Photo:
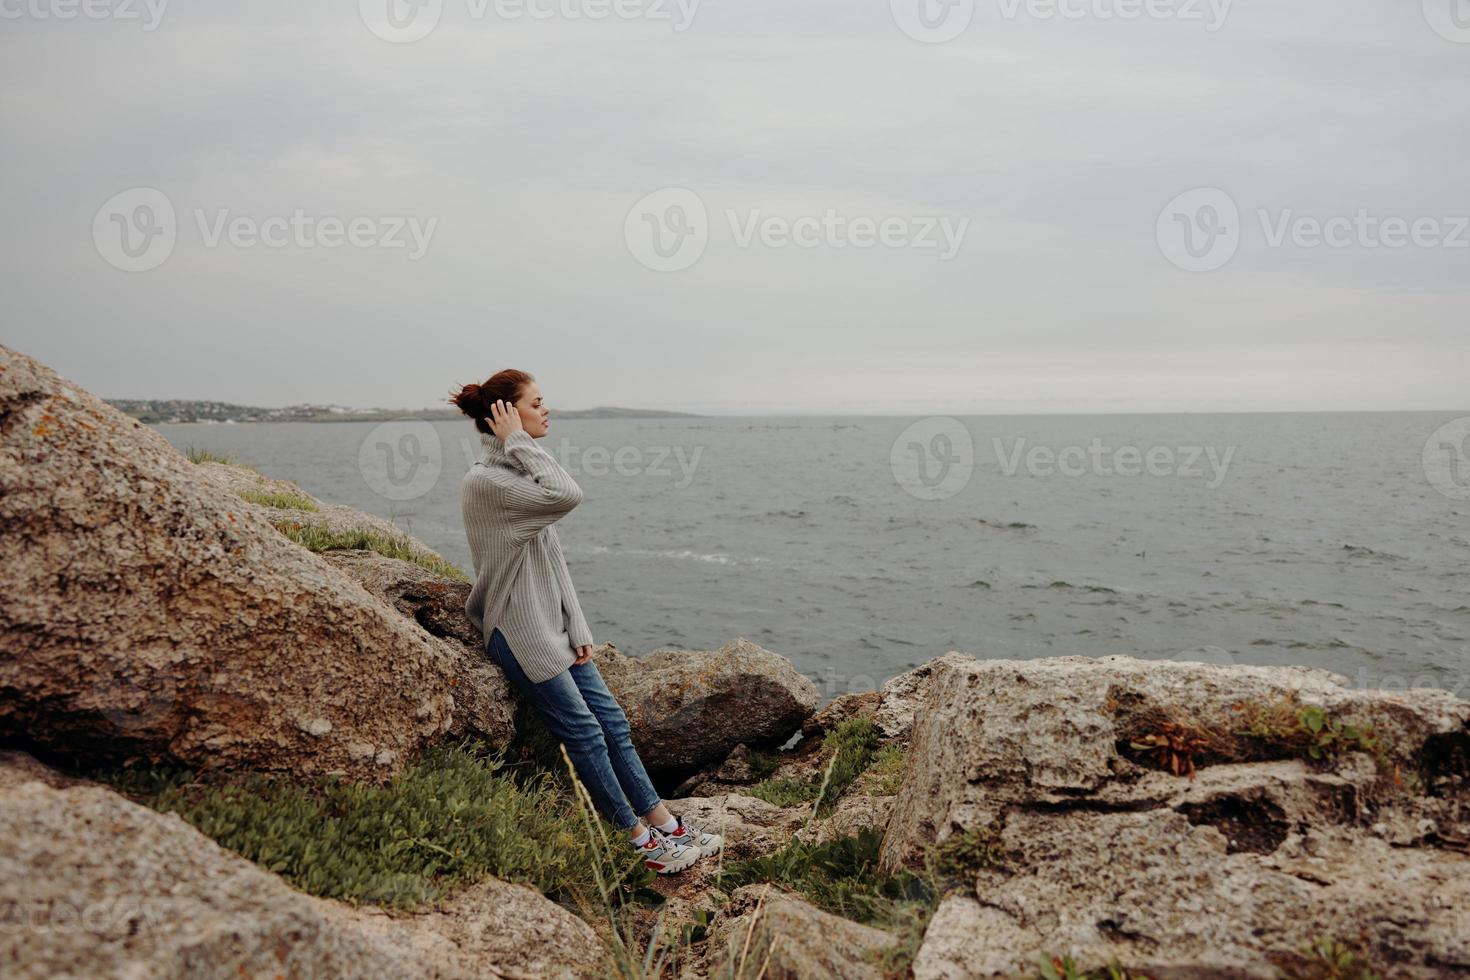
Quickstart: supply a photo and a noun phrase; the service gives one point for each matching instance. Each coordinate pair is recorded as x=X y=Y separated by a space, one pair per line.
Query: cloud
x=1059 y=141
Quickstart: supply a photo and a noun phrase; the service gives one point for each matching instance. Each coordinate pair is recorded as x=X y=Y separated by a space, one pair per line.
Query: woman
x=525 y=604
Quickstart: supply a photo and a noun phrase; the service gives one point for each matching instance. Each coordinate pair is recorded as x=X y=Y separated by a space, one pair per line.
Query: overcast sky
x=1052 y=150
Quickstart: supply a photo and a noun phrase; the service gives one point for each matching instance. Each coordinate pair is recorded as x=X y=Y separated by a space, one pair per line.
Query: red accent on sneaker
x=650 y=844
x=655 y=865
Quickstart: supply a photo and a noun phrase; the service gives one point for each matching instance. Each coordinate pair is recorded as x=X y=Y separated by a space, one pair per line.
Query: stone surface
x=737 y=768
x=483 y=702
x=1226 y=874
x=901 y=696
x=96 y=886
x=838 y=710
x=770 y=933
x=1165 y=898
x=854 y=812
x=146 y=613
x=688 y=708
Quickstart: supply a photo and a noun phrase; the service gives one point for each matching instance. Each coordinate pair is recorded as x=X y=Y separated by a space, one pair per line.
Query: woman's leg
x=559 y=703
x=625 y=761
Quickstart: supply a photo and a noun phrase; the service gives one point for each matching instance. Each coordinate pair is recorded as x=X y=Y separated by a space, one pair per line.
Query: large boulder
x=1076 y=843
x=692 y=707
x=145 y=613
x=97 y=886
x=767 y=932
x=483 y=701
x=435 y=600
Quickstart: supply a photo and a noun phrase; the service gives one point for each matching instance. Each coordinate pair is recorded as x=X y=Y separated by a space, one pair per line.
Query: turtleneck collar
x=495 y=452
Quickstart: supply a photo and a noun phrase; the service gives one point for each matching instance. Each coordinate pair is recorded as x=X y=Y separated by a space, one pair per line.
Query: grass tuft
x=198 y=454
x=764 y=764
x=886 y=772
x=840 y=875
x=314 y=537
x=962 y=855
x=281 y=500
x=853 y=744
x=848 y=749
x=785 y=791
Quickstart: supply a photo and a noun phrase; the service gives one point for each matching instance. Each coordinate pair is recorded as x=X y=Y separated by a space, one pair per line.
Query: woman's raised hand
x=504 y=419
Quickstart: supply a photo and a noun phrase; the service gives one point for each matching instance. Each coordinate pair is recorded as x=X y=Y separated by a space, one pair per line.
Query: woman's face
x=535 y=417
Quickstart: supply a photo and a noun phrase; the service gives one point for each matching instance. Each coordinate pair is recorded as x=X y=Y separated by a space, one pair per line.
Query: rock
x=736 y=768
x=902 y=695
x=101 y=887
x=840 y=709
x=21 y=767
x=147 y=614
x=1099 y=855
x=497 y=928
x=692 y=707
x=1166 y=899
x=764 y=926
x=737 y=771
x=483 y=701
x=854 y=812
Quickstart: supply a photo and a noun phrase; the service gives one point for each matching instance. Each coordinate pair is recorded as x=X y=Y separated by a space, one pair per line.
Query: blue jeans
x=582 y=714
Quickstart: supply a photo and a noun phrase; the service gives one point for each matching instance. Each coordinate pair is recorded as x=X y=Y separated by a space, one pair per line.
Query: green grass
x=849 y=749
x=317 y=538
x=763 y=765
x=962 y=855
x=455 y=817
x=198 y=454
x=284 y=501
x=853 y=745
x=886 y=772
x=785 y=791
x=839 y=875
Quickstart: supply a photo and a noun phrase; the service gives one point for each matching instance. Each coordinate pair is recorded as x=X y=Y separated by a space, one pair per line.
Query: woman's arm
x=543 y=495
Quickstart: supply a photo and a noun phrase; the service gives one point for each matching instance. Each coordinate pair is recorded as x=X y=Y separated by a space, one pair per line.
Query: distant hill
x=154 y=411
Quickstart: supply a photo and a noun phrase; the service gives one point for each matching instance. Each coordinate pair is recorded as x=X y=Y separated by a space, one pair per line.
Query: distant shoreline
x=217 y=413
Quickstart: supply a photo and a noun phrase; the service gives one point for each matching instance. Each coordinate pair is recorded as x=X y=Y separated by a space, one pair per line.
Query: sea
x=862 y=546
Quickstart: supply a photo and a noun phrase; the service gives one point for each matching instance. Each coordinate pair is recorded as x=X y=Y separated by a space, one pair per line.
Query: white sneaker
x=707 y=844
x=665 y=856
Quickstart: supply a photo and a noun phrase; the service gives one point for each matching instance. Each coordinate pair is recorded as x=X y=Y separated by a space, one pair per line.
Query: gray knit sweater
x=510 y=498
